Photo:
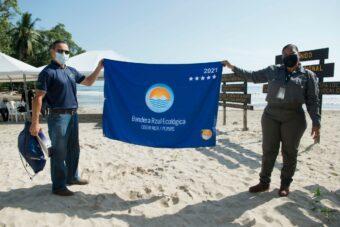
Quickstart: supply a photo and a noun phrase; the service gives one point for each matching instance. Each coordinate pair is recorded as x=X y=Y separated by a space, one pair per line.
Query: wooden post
x=224 y=110
x=322 y=62
x=28 y=115
x=245 y=122
x=235 y=93
x=224 y=114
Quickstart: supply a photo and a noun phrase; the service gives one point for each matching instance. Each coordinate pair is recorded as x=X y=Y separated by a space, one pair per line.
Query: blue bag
x=30 y=149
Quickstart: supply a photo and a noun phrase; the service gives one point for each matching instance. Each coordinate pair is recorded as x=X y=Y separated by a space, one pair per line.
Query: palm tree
x=24 y=36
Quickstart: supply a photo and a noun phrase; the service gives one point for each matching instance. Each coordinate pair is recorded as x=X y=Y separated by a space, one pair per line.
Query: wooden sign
x=233 y=88
x=239 y=106
x=242 y=98
x=325 y=88
x=235 y=97
x=265 y=88
x=330 y=88
x=231 y=77
x=324 y=70
x=308 y=55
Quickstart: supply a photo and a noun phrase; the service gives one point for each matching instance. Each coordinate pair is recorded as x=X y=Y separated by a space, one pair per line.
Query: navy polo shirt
x=60 y=86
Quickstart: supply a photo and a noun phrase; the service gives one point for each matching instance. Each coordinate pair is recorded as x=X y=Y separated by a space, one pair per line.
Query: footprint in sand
x=98 y=200
x=135 y=195
x=251 y=171
x=150 y=170
x=218 y=195
x=185 y=189
x=140 y=170
x=248 y=222
x=90 y=146
x=87 y=170
x=175 y=199
x=147 y=190
x=268 y=219
x=334 y=174
x=160 y=188
x=248 y=179
x=165 y=201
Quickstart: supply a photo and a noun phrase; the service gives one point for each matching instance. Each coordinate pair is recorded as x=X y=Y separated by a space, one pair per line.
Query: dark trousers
x=4 y=114
x=64 y=133
x=285 y=126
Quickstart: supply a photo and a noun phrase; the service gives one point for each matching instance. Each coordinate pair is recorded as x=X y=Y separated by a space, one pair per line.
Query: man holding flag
x=57 y=82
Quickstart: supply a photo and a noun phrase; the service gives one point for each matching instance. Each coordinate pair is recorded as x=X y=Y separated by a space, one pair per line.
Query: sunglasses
x=63 y=51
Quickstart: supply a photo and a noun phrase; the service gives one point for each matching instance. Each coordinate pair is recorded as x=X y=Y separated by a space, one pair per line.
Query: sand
x=141 y=186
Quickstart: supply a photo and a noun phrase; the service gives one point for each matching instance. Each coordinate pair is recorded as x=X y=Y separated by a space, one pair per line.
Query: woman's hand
x=227 y=63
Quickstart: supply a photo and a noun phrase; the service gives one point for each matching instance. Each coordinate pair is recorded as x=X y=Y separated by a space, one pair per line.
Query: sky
x=247 y=33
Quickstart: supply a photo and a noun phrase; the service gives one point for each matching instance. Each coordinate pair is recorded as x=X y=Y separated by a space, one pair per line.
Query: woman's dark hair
x=290 y=46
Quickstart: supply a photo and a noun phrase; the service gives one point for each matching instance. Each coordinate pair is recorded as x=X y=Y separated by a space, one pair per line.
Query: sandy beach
x=141 y=186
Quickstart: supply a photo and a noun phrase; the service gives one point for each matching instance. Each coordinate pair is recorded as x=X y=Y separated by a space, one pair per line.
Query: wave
x=159 y=103
x=91 y=93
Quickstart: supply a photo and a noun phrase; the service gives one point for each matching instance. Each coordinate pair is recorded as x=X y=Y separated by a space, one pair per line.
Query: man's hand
x=88 y=81
x=315 y=132
x=227 y=63
x=35 y=129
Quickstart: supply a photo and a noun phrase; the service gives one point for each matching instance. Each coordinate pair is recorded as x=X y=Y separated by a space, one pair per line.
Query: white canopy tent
x=13 y=70
x=86 y=62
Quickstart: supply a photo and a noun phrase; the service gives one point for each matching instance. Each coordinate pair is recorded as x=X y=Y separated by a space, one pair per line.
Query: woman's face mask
x=290 y=60
x=62 y=58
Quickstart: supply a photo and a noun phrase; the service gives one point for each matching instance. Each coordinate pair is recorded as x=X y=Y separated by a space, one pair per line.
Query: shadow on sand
x=226 y=211
x=40 y=199
x=232 y=155
x=207 y=213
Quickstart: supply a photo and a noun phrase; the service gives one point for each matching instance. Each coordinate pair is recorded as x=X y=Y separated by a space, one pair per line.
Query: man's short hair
x=55 y=43
x=290 y=46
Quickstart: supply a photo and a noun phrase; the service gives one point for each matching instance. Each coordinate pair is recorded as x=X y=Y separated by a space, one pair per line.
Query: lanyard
x=287 y=76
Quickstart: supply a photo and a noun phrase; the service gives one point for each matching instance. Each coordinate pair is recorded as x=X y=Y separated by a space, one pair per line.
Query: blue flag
x=161 y=105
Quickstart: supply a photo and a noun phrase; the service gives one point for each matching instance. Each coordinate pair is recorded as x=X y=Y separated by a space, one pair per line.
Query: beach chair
x=13 y=111
x=22 y=105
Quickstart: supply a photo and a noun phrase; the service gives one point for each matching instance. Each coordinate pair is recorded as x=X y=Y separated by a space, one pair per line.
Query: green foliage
x=319 y=207
x=46 y=38
x=327 y=212
x=24 y=42
x=317 y=192
x=24 y=37
x=8 y=9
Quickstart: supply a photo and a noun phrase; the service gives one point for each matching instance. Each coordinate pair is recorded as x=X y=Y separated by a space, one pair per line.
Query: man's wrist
x=35 y=121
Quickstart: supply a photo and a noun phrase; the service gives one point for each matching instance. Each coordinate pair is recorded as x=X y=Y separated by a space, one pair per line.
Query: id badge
x=281 y=93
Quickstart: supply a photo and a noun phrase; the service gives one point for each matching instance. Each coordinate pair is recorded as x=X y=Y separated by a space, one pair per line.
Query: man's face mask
x=290 y=60
x=62 y=58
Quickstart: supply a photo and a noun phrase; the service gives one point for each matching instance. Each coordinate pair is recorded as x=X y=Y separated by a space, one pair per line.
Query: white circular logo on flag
x=159 y=98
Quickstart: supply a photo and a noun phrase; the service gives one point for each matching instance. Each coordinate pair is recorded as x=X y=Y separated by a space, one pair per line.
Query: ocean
x=93 y=96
